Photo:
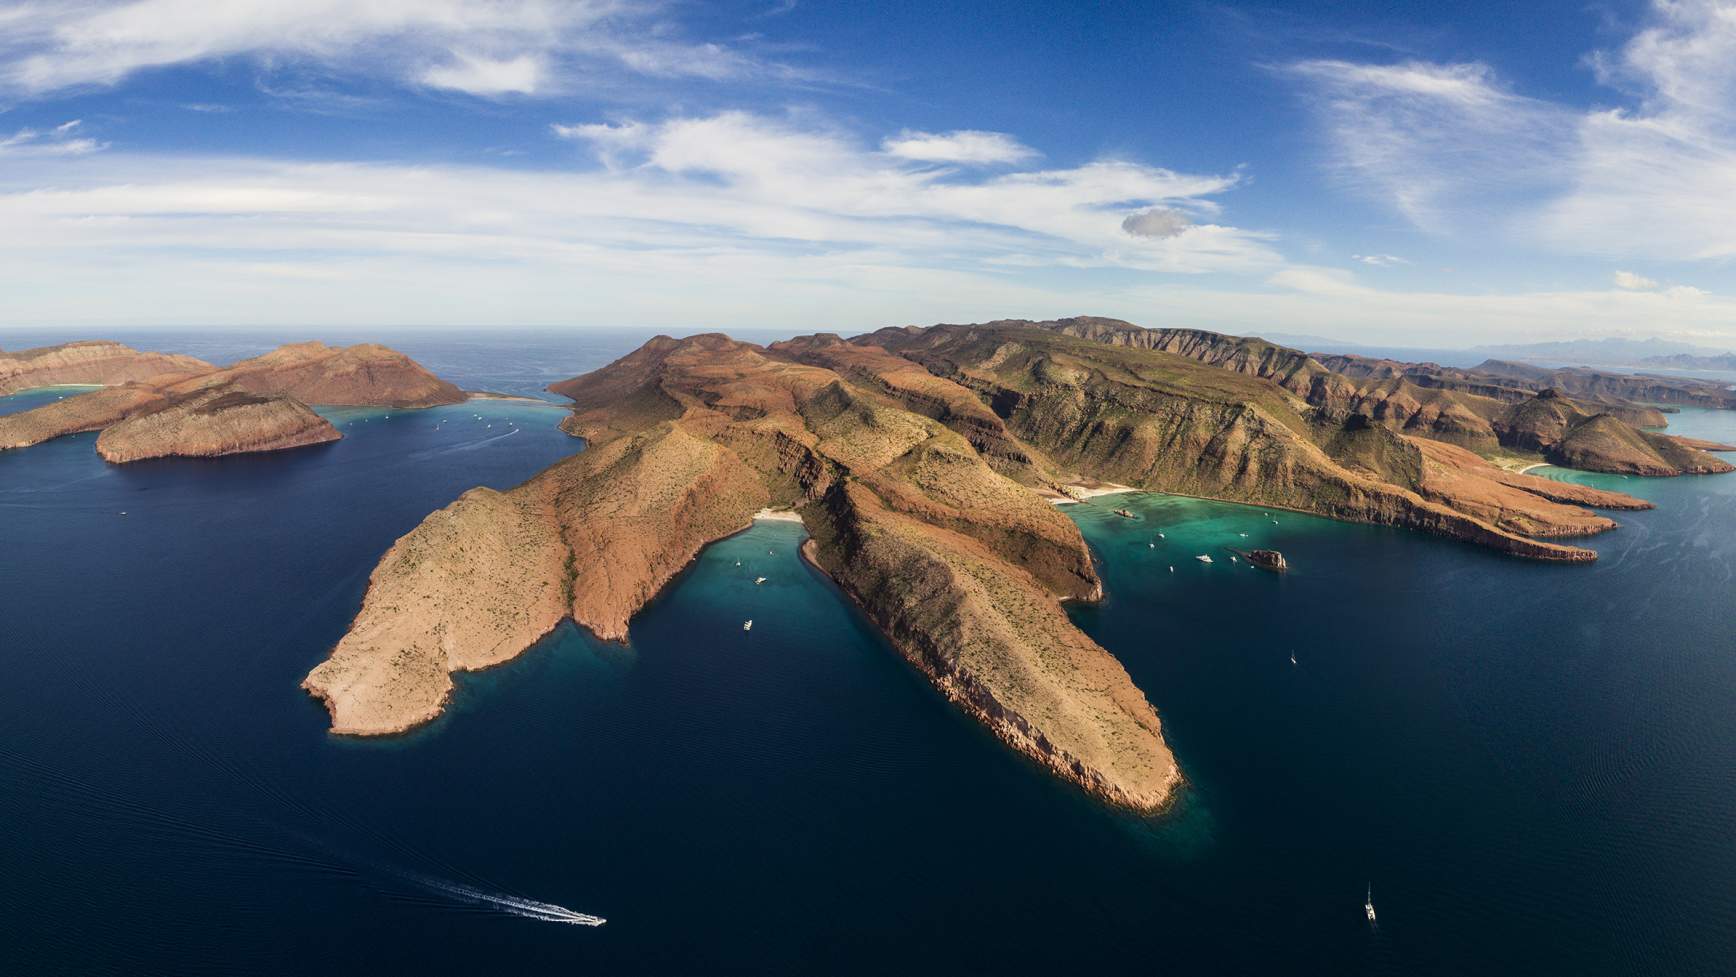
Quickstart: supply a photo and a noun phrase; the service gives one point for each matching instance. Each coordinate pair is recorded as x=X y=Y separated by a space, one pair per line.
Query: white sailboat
x=747 y=625
x=1368 y=905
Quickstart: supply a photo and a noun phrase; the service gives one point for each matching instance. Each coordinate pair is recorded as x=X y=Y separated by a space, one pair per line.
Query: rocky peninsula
x=157 y=405
x=963 y=568
x=96 y=362
x=922 y=463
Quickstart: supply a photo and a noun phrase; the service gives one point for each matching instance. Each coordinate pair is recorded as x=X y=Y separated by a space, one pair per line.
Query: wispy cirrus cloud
x=1454 y=148
x=650 y=216
x=1429 y=139
x=780 y=178
x=482 y=47
x=62 y=140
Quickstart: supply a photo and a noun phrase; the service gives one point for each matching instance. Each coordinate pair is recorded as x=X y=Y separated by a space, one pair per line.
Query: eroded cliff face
x=963 y=567
x=91 y=362
x=216 y=422
x=187 y=407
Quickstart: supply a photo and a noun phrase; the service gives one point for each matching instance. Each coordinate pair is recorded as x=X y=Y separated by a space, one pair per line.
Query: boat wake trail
x=547 y=912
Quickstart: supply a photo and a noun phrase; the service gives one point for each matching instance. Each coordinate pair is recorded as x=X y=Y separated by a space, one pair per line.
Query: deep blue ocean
x=1533 y=766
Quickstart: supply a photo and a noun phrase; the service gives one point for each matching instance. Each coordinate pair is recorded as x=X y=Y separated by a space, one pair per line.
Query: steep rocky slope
x=187 y=407
x=1166 y=422
x=962 y=567
x=1480 y=412
x=215 y=422
x=1603 y=443
x=91 y=362
x=1567 y=434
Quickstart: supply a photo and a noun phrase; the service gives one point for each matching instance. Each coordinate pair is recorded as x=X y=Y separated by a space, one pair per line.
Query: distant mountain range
x=1607 y=352
x=1685 y=361
x=1656 y=353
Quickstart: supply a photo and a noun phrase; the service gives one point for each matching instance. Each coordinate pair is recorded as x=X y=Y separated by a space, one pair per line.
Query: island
x=922 y=462
x=155 y=405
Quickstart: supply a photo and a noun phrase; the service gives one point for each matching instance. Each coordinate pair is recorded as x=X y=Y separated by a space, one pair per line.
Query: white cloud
x=690 y=215
x=59 y=141
x=1453 y=148
x=786 y=179
x=488 y=76
x=971 y=146
x=1380 y=260
x=485 y=47
x=1633 y=281
x=1314 y=280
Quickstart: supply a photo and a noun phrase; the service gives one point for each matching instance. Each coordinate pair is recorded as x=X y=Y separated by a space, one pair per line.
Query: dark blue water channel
x=1533 y=766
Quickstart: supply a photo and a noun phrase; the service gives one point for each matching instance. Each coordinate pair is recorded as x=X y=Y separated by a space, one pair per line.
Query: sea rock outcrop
x=961 y=566
x=215 y=422
x=1268 y=560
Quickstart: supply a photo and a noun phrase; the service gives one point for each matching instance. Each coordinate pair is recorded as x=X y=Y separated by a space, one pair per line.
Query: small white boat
x=738 y=563
x=1172 y=569
x=1203 y=558
x=1368 y=905
x=1232 y=559
x=1243 y=535
x=747 y=625
x=1292 y=658
x=1151 y=546
x=758 y=580
x=1160 y=536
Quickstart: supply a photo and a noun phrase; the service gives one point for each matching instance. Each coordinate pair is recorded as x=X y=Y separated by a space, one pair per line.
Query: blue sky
x=1409 y=174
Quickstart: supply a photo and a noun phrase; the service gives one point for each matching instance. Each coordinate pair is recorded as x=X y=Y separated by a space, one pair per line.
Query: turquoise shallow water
x=1534 y=766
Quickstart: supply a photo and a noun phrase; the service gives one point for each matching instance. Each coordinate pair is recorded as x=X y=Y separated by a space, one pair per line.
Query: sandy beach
x=777 y=515
x=1080 y=491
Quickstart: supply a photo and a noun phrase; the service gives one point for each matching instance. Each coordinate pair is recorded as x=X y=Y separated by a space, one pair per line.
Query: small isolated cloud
x=62 y=140
x=1314 y=280
x=610 y=142
x=1685 y=293
x=1158 y=222
x=959 y=146
x=1380 y=260
x=1634 y=282
x=488 y=76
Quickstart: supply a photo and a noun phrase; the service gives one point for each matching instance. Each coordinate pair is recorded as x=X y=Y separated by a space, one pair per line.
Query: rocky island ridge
x=921 y=463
